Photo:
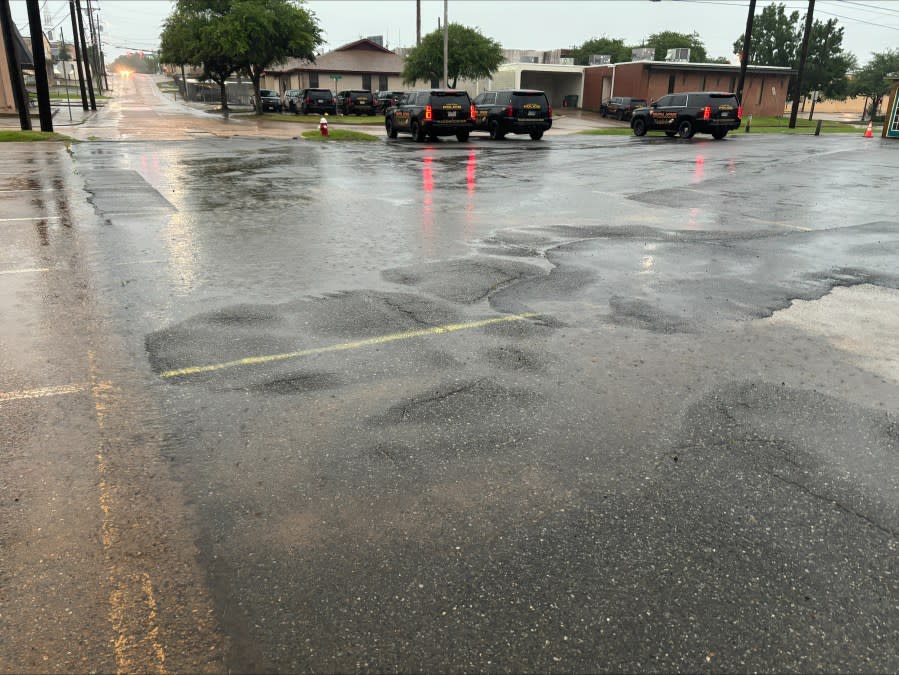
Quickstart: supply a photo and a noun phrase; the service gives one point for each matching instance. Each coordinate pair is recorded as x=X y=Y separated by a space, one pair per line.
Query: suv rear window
x=267 y=92
x=718 y=99
x=522 y=97
x=444 y=97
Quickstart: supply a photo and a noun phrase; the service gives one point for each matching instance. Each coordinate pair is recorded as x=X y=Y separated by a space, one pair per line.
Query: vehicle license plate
x=724 y=114
x=321 y=100
x=451 y=113
x=531 y=113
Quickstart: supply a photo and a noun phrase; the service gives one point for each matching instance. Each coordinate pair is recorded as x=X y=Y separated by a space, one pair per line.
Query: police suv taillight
x=707 y=113
x=429 y=112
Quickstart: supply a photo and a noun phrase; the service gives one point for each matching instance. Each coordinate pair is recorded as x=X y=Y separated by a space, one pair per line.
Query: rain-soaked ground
x=587 y=404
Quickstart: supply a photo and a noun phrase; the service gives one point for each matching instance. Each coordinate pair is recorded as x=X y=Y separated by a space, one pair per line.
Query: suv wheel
x=718 y=134
x=462 y=136
x=685 y=128
x=495 y=133
x=388 y=124
x=639 y=126
x=536 y=135
x=417 y=133
x=671 y=134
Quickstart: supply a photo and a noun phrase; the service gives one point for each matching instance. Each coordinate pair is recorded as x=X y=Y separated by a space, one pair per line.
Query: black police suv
x=513 y=111
x=687 y=113
x=432 y=113
x=356 y=102
x=316 y=101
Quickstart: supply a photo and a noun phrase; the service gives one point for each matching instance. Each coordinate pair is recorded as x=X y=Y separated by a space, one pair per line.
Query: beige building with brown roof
x=363 y=64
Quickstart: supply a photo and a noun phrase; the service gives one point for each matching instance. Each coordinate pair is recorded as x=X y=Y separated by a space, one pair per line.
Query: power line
x=871 y=8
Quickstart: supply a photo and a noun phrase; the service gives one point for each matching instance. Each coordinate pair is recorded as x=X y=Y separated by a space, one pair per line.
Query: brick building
x=765 y=91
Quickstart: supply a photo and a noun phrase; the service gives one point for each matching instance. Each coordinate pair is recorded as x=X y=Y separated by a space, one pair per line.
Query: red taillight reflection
x=429 y=112
x=473 y=113
x=549 y=111
x=740 y=113
x=509 y=111
x=707 y=113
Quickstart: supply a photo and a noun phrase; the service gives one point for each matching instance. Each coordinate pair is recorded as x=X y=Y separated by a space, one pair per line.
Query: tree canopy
x=667 y=39
x=776 y=36
x=872 y=80
x=471 y=55
x=228 y=36
x=776 y=41
x=614 y=47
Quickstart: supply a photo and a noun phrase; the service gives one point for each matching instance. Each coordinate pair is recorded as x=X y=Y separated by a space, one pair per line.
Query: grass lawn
x=760 y=125
x=74 y=96
x=338 y=120
x=25 y=136
x=339 y=135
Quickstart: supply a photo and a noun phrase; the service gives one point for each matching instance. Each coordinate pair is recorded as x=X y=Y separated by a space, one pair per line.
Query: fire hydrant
x=323 y=126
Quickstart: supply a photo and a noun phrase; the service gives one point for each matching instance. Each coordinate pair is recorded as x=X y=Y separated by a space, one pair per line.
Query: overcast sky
x=870 y=25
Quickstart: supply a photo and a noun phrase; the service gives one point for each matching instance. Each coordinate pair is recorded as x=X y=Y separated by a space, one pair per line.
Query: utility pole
x=78 y=54
x=65 y=69
x=96 y=55
x=802 y=56
x=446 y=44
x=417 y=22
x=41 y=81
x=20 y=96
x=84 y=52
x=744 y=59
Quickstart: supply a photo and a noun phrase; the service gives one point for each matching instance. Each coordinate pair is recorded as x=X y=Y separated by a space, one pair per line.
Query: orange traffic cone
x=869 y=132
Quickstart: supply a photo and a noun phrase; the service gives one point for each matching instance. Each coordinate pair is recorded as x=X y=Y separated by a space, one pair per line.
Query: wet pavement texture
x=301 y=442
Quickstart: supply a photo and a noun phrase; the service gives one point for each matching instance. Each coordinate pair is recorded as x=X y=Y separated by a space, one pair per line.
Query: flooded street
x=275 y=405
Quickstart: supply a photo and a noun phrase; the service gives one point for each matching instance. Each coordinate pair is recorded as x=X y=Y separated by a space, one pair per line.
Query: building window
x=366 y=81
x=761 y=90
x=313 y=80
x=382 y=83
x=671 y=81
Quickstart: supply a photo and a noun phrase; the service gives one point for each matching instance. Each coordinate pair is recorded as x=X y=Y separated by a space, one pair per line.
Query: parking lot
x=448 y=406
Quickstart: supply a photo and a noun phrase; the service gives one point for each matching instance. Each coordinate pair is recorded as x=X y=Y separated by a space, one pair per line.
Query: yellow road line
x=368 y=342
x=26 y=271
x=42 y=392
x=132 y=629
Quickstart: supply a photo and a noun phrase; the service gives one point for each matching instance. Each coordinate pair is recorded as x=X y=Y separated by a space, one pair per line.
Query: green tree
x=264 y=32
x=471 y=55
x=872 y=81
x=666 y=40
x=776 y=36
x=226 y=36
x=614 y=47
x=827 y=65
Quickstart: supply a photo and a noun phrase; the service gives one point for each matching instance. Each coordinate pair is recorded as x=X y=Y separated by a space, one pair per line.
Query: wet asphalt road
x=679 y=451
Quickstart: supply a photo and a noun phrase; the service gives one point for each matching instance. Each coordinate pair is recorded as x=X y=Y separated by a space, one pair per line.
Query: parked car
x=432 y=113
x=316 y=101
x=387 y=99
x=270 y=99
x=513 y=111
x=356 y=102
x=621 y=107
x=289 y=102
x=687 y=113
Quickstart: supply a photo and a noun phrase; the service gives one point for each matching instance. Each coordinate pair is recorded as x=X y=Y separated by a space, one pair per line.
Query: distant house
x=363 y=64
